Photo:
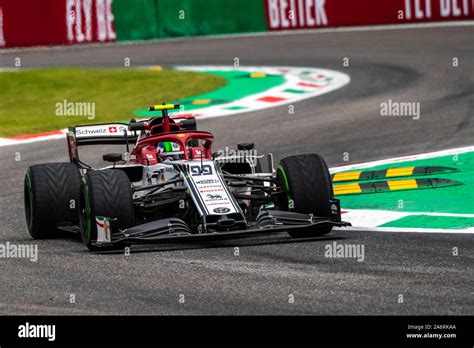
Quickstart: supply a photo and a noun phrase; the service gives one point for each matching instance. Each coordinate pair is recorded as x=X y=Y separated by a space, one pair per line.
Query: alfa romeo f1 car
x=169 y=186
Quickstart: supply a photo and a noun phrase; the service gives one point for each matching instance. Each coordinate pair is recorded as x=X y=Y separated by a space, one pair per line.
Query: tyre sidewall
x=118 y=204
x=51 y=196
x=307 y=189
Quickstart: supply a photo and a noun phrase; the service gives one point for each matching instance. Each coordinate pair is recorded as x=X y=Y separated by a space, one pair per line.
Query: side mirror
x=245 y=146
x=188 y=124
x=216 y=155
x=112 y=157
x=134 y=126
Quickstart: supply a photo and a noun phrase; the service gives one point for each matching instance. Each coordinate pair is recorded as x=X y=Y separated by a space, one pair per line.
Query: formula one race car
x=170 y=187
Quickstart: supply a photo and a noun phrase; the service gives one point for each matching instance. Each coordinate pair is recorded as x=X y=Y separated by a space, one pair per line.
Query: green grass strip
x=29 y=99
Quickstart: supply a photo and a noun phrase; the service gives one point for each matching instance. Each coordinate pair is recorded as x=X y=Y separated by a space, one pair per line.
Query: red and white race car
x=168 y=185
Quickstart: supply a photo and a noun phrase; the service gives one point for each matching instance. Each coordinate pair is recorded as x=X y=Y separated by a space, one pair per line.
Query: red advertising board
x=55 y=22
x=307 y=14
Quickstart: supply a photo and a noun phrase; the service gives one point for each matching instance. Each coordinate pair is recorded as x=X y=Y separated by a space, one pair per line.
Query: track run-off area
x=402 y=175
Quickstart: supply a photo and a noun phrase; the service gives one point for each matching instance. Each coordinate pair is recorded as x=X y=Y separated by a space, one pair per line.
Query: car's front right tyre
x=51 y=196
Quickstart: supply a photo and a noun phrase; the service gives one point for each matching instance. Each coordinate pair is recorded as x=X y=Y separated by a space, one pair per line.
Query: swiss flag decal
x=113 y=129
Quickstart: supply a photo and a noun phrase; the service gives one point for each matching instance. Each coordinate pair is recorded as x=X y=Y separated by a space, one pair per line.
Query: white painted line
x=406 y=230
x=368 y=28
x=374 y=218
x=369 y=219
x=449 y=152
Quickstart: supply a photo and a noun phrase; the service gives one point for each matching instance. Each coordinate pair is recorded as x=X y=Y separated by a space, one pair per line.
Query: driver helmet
x=169 y=151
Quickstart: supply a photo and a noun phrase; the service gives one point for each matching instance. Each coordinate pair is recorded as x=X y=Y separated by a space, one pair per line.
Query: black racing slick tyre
x=51 y=196
x=307 y=189
x=106 y=193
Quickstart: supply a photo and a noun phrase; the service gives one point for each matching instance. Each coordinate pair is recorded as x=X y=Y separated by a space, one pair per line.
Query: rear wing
x=98 y=134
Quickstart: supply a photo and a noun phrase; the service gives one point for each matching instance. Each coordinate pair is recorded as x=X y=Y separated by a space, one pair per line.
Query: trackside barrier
x=309 y=14
x=55 y=22
x=64 y=22
x=146 y=19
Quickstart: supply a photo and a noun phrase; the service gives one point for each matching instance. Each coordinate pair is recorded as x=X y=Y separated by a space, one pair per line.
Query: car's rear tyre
x=307 y=189
x=51 y=196
x=105 y=193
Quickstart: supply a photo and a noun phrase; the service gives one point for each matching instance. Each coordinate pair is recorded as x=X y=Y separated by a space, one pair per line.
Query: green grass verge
x=28 y=99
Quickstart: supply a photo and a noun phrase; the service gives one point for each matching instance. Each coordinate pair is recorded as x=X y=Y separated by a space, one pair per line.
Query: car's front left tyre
x=307 y=187
x=105 y=193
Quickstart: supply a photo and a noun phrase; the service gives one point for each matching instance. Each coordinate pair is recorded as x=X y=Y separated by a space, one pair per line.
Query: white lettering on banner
x=304 y=13
x=79 y=15
x=428 y=8
x=408 y=9
x=70 y=19
x=289 y=14
x=293 y=17
x=456 y=9
x=418 y=12
x=87 y=5
x=273 y=13
x=110 y=21
x=301 y=13
x=2 y=37
x=466 y=7
x=321 y=18
x=101 y=25
x=422 y=9
x=452 y=8
x=309 y=18
x=445 y=6
x=283 y=12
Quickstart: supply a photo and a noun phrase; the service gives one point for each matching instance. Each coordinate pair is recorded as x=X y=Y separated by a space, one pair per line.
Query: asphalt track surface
x=402 y=65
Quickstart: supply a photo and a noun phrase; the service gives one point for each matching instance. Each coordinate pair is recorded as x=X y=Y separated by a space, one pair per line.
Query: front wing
x=175 y=230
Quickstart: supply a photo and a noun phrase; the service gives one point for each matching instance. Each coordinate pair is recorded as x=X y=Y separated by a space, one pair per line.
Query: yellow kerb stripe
x=201 y=101
x=347 y=189
x=399 y=172
x=346 y=176
x=402 y=184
